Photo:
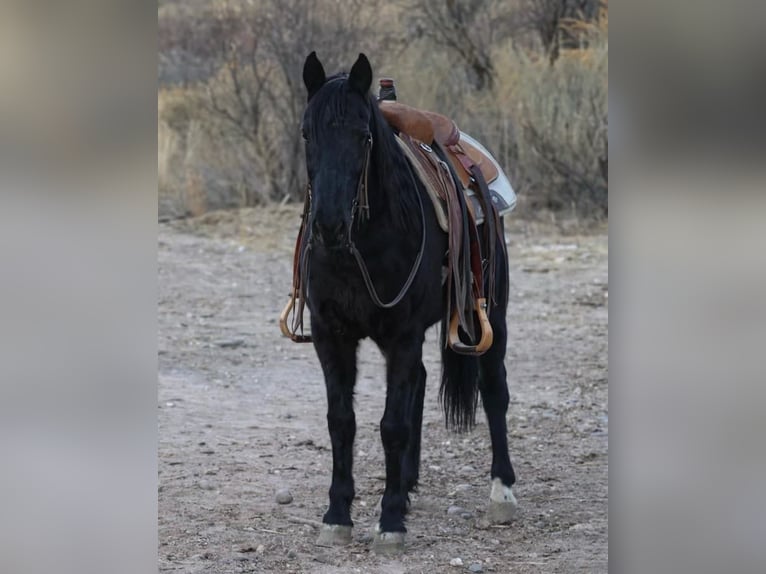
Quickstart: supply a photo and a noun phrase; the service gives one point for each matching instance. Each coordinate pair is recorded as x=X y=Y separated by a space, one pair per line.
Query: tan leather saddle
x=428 y=127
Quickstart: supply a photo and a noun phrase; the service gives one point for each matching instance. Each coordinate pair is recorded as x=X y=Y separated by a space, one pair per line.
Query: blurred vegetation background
x=528 y=78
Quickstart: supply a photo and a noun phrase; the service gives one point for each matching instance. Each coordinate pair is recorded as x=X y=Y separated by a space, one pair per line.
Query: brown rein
x=363 y=207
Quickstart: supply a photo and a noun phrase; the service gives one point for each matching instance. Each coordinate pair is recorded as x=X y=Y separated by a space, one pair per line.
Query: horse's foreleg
x=338 y=359
x=411 y=464
x=404 y=373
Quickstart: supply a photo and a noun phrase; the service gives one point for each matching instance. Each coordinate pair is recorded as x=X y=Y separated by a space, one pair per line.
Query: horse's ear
x=313 y=74
x=360 y=77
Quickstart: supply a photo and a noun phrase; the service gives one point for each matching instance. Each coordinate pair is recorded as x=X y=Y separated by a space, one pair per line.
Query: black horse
x=373 y=254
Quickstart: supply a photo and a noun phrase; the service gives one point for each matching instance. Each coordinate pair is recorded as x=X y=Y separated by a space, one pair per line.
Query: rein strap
x=360 y=208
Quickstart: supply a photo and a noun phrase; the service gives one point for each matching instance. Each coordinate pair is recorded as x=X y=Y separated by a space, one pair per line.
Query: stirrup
x=293 y=335
x=485 y=342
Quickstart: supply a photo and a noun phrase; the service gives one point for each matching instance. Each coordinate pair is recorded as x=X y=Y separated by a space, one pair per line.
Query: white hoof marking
x=502 y=503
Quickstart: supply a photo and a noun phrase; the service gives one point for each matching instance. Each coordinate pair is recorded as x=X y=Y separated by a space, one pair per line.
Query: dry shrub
x=561 y=116
x=169 y=188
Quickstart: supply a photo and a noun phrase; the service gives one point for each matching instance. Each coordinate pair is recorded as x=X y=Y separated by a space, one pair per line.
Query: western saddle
x=429 y=127
x=460 y=195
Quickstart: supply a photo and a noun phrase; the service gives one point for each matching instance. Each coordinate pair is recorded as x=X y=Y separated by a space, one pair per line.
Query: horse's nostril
x=332 y=233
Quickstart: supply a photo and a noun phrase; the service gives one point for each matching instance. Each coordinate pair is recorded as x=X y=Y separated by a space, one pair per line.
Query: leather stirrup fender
x=486 y=332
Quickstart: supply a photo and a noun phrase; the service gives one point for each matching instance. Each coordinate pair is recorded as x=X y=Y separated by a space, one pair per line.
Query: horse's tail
x=459 y=390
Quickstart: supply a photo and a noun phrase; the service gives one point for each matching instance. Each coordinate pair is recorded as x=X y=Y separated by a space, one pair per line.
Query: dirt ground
x=242 y=414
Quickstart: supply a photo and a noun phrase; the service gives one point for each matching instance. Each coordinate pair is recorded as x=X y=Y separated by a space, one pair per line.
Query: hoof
x=503 y=507
x=502 y=512
x=334 y=535
x=387 y=542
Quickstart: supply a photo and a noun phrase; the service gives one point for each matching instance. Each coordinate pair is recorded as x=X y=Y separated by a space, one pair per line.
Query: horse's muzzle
x=331 y=236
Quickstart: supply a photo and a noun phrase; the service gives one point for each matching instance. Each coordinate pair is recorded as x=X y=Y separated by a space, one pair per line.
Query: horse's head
x=337 y=131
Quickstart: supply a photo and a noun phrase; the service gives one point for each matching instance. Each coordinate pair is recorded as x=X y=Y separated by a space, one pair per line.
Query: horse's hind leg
x=338 y=359
x=494 y=396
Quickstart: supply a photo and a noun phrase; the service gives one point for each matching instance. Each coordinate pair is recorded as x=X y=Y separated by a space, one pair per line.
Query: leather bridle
x=360 y=210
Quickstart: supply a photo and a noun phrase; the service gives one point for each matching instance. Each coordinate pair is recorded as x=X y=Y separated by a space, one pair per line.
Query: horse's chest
x=342 y=306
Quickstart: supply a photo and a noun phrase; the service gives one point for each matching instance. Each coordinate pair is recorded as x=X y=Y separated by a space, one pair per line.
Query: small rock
x=230 y=343
x=456 y=562
x=494 y=542
x=206 y=485
x=452 y=510
x=462 y=487
x=468 y=469
x=260 y=549
x=323 y=558
x=292 y=554
x=284 y=496
x=466 y=515
x=476 y=567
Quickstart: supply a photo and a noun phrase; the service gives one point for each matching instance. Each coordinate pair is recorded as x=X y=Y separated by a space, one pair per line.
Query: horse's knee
x=394 y=432
x=338 y=420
